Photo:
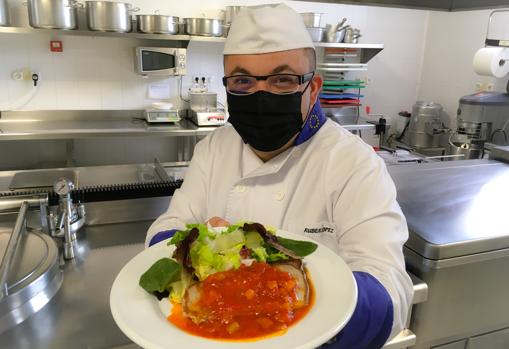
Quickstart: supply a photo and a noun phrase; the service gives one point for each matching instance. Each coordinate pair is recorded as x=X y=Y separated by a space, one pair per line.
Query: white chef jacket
x=332 y=188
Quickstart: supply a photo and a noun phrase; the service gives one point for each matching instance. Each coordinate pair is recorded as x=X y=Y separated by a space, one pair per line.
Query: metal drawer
x=494 y=340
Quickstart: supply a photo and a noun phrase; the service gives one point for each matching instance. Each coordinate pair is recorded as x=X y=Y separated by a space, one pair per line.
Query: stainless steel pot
x=316 y=34
x=352 y=36
x=53 y=14
x=157 y=24
x=355 y=39
x=204 y=26
x=109 y=16
x=312 y=19
x=4 y=13
x=336 y=36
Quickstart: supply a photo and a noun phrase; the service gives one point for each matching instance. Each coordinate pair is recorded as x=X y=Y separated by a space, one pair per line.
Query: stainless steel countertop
x=71 y=124
x=97 y=175
x=456 y=208
x=78 y=316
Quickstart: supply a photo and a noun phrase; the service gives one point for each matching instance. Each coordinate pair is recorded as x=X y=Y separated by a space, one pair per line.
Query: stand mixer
x=482 y=117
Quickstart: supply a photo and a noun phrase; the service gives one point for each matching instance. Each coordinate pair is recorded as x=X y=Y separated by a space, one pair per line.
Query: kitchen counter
x=69 y=124
x=459 y=246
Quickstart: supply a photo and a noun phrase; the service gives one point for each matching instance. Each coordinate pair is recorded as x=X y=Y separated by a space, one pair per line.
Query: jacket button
x=280 y=196
x=240 y=188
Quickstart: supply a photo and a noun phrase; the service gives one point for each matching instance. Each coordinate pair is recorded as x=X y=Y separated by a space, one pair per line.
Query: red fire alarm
x=56 y=46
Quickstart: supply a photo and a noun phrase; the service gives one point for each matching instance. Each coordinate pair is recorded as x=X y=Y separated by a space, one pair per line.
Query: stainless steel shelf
x=174 y=40
x=345 y=45
x=62 y=124
x=367 y=51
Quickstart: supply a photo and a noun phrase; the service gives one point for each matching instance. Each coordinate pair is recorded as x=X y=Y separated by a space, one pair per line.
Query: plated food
x=143 y=319
x=241 y=282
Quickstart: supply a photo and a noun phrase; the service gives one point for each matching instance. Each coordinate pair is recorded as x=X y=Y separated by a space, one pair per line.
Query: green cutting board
x=343 y=82
x=342 y=87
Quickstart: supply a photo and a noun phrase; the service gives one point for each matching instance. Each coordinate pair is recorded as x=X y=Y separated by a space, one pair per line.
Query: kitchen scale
x=162 y=116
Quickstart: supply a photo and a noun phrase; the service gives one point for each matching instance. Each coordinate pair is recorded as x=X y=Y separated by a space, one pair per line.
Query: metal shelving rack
x=163 y=40
x=368 y=51
x=334 y=61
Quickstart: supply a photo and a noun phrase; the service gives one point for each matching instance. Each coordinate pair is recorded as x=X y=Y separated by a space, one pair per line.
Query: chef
x=283 y=164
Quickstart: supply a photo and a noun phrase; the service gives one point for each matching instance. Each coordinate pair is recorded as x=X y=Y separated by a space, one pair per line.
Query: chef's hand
x=218 y=222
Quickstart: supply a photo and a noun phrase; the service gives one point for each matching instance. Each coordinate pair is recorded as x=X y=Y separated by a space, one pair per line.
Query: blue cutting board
x=340 y=95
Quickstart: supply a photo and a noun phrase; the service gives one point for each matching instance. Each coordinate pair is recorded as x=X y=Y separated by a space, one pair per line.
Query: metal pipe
x=490 y=19
x=69 y=235
x=13 y=203
x=12 y=246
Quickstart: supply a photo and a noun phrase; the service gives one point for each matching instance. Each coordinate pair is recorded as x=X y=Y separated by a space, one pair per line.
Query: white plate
x=139 y=316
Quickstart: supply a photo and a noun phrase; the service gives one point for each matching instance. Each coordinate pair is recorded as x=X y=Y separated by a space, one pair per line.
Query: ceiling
x=441 y=5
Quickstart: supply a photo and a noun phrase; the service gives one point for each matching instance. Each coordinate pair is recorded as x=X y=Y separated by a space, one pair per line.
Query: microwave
x=160 y=61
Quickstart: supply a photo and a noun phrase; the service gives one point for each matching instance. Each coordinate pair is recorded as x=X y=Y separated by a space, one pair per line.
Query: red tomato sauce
x=249 y=303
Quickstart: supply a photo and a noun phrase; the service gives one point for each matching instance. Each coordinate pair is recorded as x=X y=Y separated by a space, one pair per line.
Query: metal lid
x=33 y=279
x=454 y=208
x=486 y=98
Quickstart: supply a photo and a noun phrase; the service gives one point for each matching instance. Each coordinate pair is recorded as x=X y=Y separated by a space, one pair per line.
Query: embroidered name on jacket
x=319 y=230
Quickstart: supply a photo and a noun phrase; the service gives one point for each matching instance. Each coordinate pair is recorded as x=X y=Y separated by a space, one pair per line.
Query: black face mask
x=266 y=121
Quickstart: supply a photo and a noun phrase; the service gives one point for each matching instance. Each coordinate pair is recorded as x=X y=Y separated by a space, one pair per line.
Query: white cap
x=266 y=28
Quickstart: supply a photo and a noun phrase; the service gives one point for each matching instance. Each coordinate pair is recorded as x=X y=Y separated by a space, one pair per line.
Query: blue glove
x=371 y=322
x=162 y=235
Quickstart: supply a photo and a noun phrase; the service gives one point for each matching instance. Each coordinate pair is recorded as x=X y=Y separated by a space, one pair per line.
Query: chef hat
x=266 y=28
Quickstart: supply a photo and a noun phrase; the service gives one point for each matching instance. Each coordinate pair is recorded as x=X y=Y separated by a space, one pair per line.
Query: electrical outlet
x=489 y=86
x=25 y=74
x=17 y=75
x=478 y=87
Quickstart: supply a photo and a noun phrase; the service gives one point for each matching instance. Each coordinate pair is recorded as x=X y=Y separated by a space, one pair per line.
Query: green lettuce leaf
x=178 y=288
x=300 y=248
x=178 y=237
x=160 y=275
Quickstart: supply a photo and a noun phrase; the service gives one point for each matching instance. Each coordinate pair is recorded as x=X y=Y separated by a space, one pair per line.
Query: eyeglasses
x=276 y=83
